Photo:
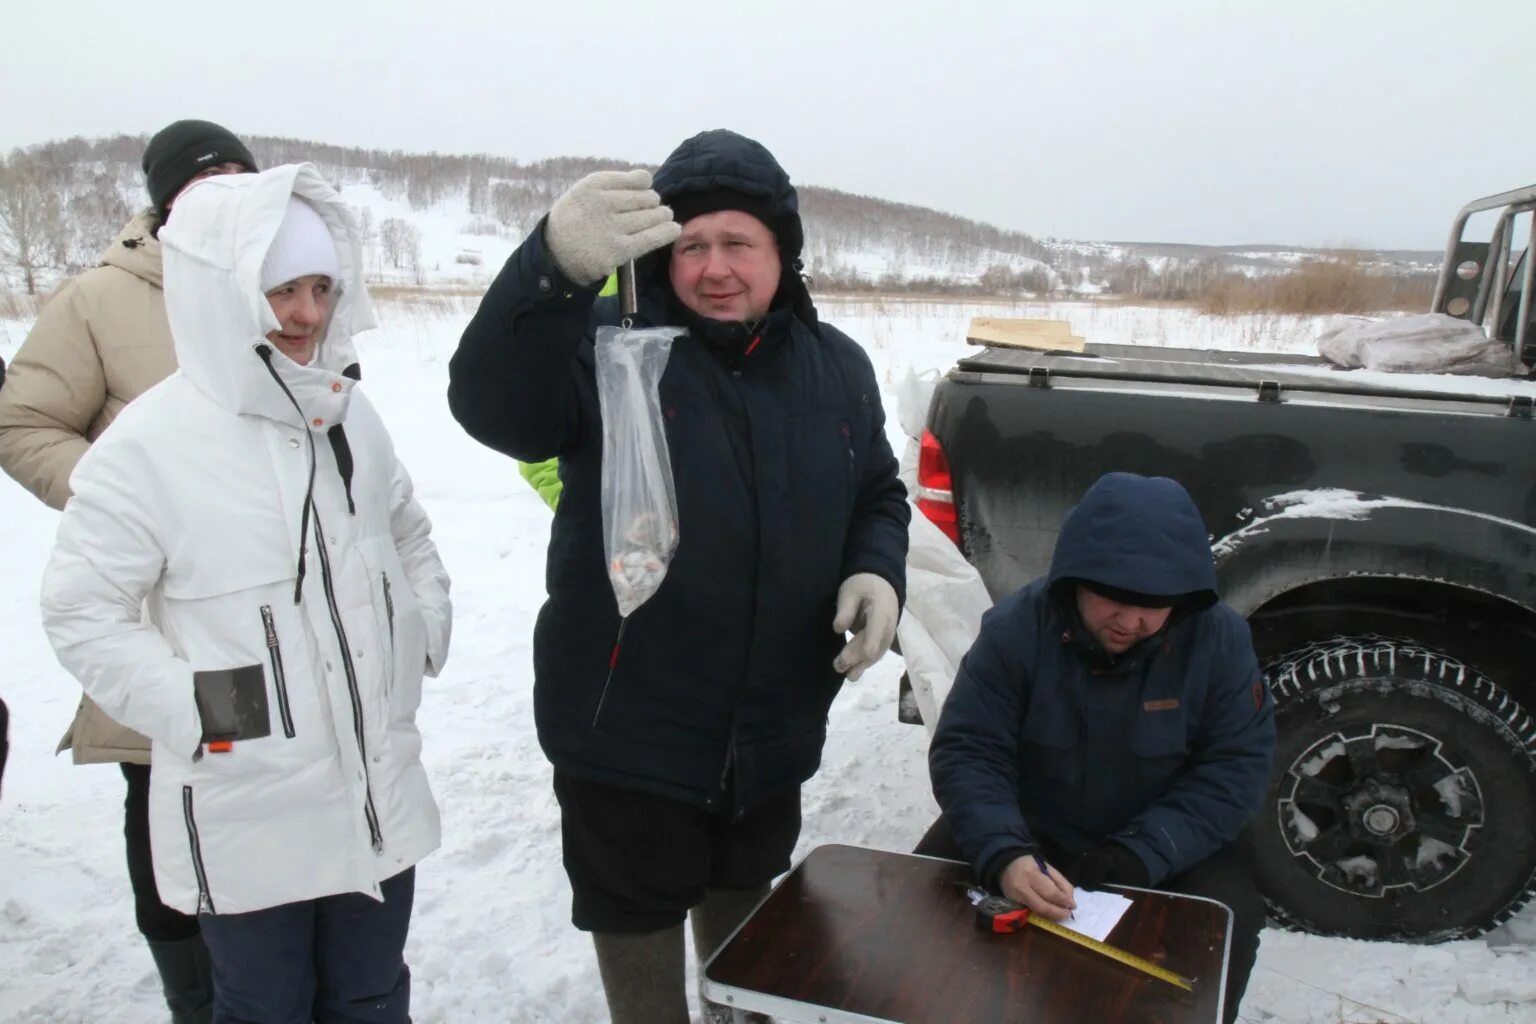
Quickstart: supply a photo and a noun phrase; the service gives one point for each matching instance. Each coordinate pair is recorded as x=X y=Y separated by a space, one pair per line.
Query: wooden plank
x=1019 y=332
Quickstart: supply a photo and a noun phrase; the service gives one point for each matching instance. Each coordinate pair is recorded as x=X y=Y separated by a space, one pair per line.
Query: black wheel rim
x=1379 y=809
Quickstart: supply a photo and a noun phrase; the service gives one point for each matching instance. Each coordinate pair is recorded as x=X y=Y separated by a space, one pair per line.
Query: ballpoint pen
x=1046 y=871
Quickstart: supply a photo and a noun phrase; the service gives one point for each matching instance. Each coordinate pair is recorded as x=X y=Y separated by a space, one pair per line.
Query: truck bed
x=1269 y=376
x=1027 y=432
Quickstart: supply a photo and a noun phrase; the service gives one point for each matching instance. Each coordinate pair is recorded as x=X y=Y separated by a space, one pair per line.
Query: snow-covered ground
x=491 y=939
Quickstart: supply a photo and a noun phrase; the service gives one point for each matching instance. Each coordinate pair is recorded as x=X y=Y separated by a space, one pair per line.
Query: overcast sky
x=1351 y=122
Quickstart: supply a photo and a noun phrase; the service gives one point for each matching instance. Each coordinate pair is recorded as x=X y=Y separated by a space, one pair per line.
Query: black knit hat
x=738 y=173
x=179 y=150
x=1134 y=598
x=695 y=204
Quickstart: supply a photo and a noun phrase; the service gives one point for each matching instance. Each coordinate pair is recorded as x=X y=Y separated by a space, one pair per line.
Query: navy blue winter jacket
x=1165 y=748
x=786 y=485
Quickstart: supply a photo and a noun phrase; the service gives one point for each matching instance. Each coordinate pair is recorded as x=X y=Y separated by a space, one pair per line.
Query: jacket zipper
x=204 y=897
x=389 y=610
x=369 y=812
x=730 y=757
x=847 y=431
x=279 y=677
x=389 y=613
x=264 y=352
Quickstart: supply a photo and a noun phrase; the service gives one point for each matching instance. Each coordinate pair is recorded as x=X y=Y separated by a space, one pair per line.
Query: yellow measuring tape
x=1113 y=952
x=996 y=914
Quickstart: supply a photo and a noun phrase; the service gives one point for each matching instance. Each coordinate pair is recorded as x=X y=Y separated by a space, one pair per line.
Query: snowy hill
x=451 y=220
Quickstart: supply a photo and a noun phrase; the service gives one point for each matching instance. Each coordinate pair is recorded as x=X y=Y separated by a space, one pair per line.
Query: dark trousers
x=157 y=922
x=638 y=862
x=1226 y=876
x=334 y=960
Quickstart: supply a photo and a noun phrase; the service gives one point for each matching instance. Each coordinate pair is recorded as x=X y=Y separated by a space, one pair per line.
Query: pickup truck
x=1379 y=533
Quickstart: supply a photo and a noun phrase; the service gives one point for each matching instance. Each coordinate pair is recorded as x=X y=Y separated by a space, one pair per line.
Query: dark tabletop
x=854 y=934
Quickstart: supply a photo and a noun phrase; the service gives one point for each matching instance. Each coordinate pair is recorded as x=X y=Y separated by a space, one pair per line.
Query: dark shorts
x=637 y=862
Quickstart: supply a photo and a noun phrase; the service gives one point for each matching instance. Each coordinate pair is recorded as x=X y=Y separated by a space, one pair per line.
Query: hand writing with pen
x=1044 y=890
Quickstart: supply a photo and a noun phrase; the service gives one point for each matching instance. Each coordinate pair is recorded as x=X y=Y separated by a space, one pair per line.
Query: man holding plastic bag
x=681 y=732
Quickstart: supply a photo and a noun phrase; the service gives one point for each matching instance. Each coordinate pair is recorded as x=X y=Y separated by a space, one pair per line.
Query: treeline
x=837 y=223
x=998 y=280
x=58 y=214
x=504 y=197
x=1341 y=285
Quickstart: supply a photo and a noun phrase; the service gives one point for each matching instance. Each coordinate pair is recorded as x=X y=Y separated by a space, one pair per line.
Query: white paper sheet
x=1097 y=913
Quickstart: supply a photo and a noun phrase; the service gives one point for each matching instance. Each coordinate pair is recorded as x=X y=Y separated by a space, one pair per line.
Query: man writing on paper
x=1110 y=723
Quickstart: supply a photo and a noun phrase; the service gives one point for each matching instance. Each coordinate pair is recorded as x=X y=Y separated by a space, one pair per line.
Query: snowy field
x=491 y=939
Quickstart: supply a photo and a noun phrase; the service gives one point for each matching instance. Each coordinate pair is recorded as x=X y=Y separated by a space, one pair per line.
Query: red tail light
x=935 y=487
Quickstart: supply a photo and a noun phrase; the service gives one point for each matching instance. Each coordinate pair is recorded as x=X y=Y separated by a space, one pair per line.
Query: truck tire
x=1403 y=799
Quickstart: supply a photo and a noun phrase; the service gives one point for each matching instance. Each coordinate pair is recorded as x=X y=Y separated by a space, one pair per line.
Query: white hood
x=218 y=234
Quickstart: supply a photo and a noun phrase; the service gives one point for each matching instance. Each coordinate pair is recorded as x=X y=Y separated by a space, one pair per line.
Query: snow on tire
x=1403 y=799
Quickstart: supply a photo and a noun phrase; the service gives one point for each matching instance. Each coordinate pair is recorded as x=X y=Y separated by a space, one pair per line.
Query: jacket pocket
x=260 y=645
x=232 y=703
x=823 y=462
x=1049 y=760
x=1161 y=752
x=195 y=844
x=820 y=471
x=1159 y=736
x=1051 y=782
x=399 y=627
x=279 y=677
x=1050 y=744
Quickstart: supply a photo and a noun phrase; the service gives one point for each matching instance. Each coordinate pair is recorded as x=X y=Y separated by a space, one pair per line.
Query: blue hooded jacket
x=1165 y=748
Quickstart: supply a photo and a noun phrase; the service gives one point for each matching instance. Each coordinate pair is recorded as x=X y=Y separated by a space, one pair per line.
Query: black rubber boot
x=713 y=921
x=186 y=974
x=643 y=976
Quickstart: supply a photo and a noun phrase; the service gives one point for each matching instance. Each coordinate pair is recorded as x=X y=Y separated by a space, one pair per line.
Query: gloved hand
x=867 y=605
x=1109 y=862
x=605 y=220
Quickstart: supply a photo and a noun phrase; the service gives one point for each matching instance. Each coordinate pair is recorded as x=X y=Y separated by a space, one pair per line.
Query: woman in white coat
x=254 y=502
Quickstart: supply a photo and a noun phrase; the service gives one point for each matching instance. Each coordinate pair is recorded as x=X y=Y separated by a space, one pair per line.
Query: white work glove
x=867 y=605
x=605 y=220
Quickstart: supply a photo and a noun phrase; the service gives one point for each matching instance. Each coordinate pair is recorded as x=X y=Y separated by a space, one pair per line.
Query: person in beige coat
x=100 y=342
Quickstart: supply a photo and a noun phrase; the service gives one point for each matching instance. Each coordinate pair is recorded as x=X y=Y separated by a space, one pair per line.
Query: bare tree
x=89 y=219
x=402 y=243
x=392 y=238
x=368 y=235
x=413 y=251
x=479 y=191
x=31 y=236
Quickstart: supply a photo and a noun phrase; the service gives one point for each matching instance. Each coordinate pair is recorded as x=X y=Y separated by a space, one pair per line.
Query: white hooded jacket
x=195 y=501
